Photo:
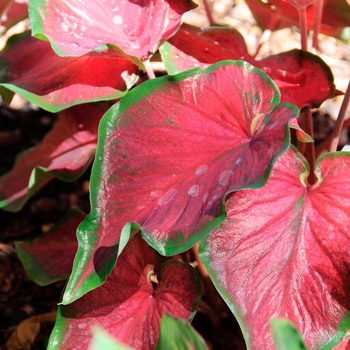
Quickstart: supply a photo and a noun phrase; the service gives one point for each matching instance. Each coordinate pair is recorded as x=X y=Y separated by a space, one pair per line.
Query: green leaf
x=178 y=335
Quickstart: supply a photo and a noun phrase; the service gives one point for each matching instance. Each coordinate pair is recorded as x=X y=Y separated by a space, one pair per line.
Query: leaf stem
x=317 y=24
x=310 y=148
x=208 y=12
x=149 y=70
x=338 y=127
x=303 y=28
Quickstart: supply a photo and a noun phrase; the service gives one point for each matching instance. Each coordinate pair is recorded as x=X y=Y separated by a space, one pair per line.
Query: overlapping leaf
x=76 y=27
x=65 y=153
x=49 y=258
x=169 y=152
x=65 y=81
x=277 y=14
x=127 y=306
x=178 y=334
x=12 y=12
x=284 y=252
x=295 y=72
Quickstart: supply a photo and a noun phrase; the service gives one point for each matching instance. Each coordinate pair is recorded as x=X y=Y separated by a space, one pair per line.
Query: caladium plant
x=201 y=155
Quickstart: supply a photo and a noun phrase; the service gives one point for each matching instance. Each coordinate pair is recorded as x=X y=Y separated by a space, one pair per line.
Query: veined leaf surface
x=76 y=27
x=283 y=251
x=66 y=81
x=127 y=306
x=65 y=153
x=169 y=153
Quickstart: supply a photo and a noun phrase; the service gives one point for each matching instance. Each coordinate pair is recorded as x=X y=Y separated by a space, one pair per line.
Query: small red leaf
x=49 y=258
x=278 y=14
x=78 y=27
x=302 y=71
x=15 y=12
x=65 y=153
x=67 y=81
x=127 y=306
x=295 y=72
x=283 y=252
x=169 y=153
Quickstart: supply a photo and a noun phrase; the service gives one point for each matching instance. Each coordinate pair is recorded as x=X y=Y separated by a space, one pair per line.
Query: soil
x=20 y=298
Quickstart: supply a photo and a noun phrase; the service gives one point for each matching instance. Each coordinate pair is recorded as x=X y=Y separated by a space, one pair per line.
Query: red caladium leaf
x=65 y=153
x=77 y=27
x=301 y=71
x=127 y=306
x=49 y=258
x=284 y=252
x=15 y=12
x=295 y=72
x=67 y=81
x=4 y=5
x=191 y=47
x=277 y=14
x=169 y=152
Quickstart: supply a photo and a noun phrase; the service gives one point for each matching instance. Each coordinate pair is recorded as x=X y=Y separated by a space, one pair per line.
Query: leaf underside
x=282 y=252
x=169 y=153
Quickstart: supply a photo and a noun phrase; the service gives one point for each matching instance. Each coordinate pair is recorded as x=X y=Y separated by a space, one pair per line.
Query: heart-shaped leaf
x=295 y=72
x=178 y=334
x=65 y=153
x=127 y=306
x=67 y=81
x=4 y=5
x=283 y=252
x=49 y=258
x=278 y=14
x=169 y=152
x=77 y=27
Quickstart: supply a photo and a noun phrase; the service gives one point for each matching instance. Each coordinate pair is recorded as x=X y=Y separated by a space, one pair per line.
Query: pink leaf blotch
x=283 y=252
x=65 y=153
x=169 y=153
x=128 y=306
x=77 y=27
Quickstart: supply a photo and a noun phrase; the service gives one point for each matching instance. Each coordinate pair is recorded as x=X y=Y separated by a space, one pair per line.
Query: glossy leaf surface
x=295 y=72
x=335 y=18
x=65 y=153
x=66 y=81
x=178 y=334
x=49 y=258
x=283 y=252
x=76 y=27
x=168 y=154
x=127 y=306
